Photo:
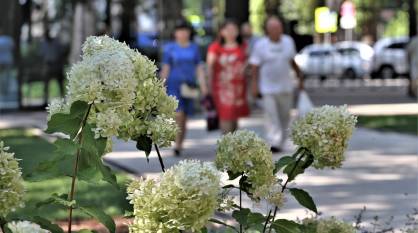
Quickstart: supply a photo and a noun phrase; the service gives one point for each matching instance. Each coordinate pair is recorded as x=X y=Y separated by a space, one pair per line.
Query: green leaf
x=144 y=143
x=101 y=217
x=286 y=226
x=229 y=186
x=204 y=230
x=255 y=218
x=47 y=225
x=233 y=176
x=293 y=171
x=241 y=216
x=304 y=199
x=7 y=230
x=283 y=162
x=308 y=161
x=222 y=223
x=61 y=200
x=68 y=123
x=86 y=231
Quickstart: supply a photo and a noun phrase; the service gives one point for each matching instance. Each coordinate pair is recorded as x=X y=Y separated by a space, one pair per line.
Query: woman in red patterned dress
x=226 y=61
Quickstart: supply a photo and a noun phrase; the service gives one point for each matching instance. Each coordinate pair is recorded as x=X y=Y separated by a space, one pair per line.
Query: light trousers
x=277 y=109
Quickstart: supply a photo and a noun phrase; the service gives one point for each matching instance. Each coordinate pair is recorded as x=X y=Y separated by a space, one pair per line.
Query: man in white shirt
x=272 y=60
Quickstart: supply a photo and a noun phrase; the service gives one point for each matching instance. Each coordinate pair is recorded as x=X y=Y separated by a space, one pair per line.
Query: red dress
x=229 y=86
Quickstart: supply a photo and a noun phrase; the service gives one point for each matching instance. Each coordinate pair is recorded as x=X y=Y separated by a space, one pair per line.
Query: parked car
x=390 y=58
x=356 y=58
x=347 y=59
x=321 y=60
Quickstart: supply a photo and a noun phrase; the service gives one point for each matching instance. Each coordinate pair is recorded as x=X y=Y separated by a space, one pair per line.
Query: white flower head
x=11 y=182
x=129 y=101
x=243 y=152
x=184 y=198
x=325 y=132
x=25 y=227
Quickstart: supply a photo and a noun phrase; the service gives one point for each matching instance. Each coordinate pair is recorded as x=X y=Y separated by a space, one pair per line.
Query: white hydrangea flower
x=184 y=198
x=57 y=106
x=25 y=227
x=11 y=182
x=325 y=132
x=162 y=130
x=129 y=101
x=272 y=194
x=244 y=152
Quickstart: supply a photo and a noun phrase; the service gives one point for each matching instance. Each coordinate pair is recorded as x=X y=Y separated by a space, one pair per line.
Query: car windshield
x=348 y=51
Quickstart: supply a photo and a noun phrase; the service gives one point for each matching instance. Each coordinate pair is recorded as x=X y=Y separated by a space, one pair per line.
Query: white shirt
x=274 y=59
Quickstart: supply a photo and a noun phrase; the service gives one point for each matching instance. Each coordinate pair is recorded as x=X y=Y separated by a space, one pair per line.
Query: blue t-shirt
x=183 y=62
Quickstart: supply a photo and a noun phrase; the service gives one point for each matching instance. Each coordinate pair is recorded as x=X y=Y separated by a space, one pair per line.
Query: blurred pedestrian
x=182 y=66
x=412 y=50
x=6 y=62
x=226 y=61
x=248 y=37
x=272 y=60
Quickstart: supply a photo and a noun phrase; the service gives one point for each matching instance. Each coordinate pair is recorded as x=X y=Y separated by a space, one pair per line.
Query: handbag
x=189 y=91
x=212 y=119
x=304 y=104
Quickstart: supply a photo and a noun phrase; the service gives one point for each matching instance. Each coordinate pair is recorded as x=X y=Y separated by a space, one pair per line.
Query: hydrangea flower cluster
x=184 y=198
x=325 y=132
x=128 y=99
x=329 y=225
x=275 y=196
x=25 y=227
x=11 y=182
x=243 y=152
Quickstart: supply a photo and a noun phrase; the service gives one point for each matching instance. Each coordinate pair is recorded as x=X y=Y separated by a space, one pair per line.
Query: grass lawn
x=31 y=150
x=401 y=124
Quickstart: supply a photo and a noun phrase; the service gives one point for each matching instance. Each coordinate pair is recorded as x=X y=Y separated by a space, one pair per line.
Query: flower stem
x=159 y=157
x=79 y=136
x=287 y=181
x=240 y=206
x=267 y=220
x=2 y=225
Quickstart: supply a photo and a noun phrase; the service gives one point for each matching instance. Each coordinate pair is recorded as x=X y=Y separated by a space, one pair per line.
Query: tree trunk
x=128 y=16
x=238 y=10
x=169 y=12
x=412 y=11
x=84 y=25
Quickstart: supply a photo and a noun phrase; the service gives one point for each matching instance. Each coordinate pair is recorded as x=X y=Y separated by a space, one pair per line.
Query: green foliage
x=33 y=150
x=400 y=123
x=296 y=167
x=286 y=226
x=248 y=219
x=101 y=216
x=282 y=162
x=81 y=154
x=46 y=224
x=304 y=198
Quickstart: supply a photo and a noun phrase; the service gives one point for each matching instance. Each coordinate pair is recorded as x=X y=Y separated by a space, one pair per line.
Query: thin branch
x=267 y=220
x=159 y=157
x=74 y=177
x=287 y=181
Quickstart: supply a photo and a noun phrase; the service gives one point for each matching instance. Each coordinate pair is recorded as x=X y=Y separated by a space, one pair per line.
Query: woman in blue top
x=181 y=64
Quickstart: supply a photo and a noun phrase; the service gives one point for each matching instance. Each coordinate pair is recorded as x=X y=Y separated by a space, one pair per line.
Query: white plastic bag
x=304 y=104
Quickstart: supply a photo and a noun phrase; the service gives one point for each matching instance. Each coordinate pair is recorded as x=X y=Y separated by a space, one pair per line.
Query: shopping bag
x=305 y=104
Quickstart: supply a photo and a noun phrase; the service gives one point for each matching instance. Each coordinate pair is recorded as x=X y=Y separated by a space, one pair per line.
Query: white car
x=390 y=58
x=356 y=58
x=343 y=60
